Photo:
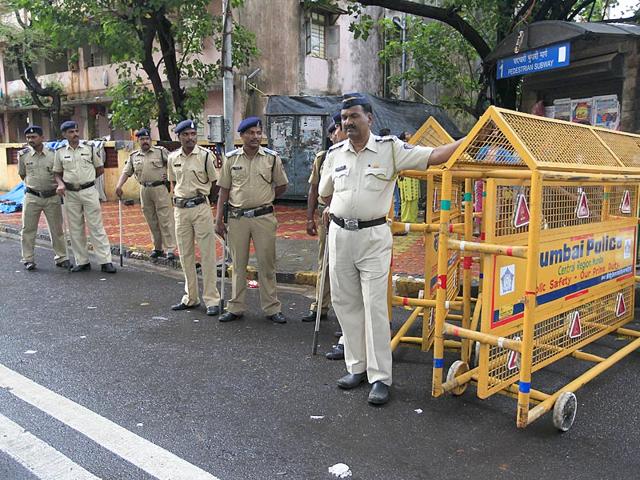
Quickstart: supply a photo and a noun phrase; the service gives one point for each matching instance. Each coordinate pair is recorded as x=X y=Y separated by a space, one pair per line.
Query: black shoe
x=81 y=268
x=213 y=310
x=311 y=316
x=352 y=380
x=108 y=268
x=156 y=254
x=182 y=306
x=277 y=318
x=379 y=394
x=336 y=352
x=337 y=333
x=171 y=256
x=29 y=266
x=64 y=264
x=229 y=317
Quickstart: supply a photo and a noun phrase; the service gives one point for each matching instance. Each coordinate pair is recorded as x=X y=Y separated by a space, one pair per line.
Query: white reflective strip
x=154 y=460
x=40 y=458
x=407 y=227
x=446 y=304
x=462 y=243
x=501 y=342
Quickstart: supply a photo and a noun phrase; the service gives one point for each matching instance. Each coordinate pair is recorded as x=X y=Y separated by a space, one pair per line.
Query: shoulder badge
x=386 y=138
x=333 y=147
x=233 y=152
x=270 y=152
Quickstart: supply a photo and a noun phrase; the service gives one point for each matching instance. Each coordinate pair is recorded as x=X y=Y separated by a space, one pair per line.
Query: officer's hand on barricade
x=119 y=192
x=221 y=229
x=312 y=229
x=61 y=190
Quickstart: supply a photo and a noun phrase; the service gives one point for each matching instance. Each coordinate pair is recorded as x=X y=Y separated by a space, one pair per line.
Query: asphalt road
x=237 y=399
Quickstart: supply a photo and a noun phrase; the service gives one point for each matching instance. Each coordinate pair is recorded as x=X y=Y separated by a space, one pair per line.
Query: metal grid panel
x=552 y=341
x=491 y=147
x=625 y=146
x=616 y=194
x=457 y=190
x=559 y=206
x=560 y=143
x=430 y=137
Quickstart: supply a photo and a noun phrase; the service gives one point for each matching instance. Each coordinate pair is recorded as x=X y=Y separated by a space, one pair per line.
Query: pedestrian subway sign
x=533 y=61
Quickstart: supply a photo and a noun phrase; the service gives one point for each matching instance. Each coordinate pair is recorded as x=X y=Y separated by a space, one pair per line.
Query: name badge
x=341 y=168
x=236 y=167
x=341 y=171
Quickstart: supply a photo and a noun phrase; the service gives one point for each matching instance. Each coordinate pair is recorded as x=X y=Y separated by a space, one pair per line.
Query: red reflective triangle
x=575 y=329
x=621 y=306
x=522 y=215
x=625 y=203
x=582 y=210
x=513 y=360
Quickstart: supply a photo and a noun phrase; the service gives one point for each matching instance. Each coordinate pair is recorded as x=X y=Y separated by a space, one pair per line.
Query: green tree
x=151 y=40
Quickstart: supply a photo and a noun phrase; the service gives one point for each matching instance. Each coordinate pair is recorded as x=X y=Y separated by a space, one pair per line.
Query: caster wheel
x=457 y=369
x=564 y=411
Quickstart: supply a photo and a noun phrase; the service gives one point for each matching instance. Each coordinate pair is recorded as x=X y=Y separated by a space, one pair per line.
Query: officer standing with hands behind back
x=252 y=177
x=192 y=173
x=357 y=183
x=149 y=166
x=75 y=168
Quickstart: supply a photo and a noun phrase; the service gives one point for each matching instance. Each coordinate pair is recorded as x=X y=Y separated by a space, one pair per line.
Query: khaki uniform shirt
x=251 y=182
x=362 y=183
x=149 y=166
x=193 y=174
x=37 y=168
x=316 y=171
x=77 y=165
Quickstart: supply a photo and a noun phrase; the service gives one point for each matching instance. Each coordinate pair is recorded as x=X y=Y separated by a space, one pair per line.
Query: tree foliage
x=152 y=40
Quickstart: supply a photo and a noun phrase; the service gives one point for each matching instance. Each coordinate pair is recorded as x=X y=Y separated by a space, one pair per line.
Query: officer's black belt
x=181 y=202
x=355 y=224
x=76 y=187
x=41 y=194
x=250 y=212
x=153 y=184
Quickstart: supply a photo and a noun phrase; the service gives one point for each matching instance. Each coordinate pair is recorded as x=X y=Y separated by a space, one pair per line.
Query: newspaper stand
x=558 y=256
x=431 y=134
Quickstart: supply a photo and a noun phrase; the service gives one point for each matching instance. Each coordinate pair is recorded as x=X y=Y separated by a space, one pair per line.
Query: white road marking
x=145 y=455
x=44 y=461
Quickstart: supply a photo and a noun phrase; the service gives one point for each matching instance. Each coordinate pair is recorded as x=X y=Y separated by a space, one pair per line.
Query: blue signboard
x=533 y=61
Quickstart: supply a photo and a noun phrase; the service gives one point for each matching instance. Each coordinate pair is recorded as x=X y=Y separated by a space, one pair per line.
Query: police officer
x=252 y=177
x=149 y=165
x=358 y=182
x=35 y=167
x=192 y=173
x=75 y=168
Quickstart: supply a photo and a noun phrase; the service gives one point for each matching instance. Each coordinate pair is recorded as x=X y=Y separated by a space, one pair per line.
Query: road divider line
x=37 y=456
x=147 y=456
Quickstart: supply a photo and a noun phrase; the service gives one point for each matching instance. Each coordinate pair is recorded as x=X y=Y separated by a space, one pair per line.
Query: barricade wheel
x=458 y=368
x=564 y=411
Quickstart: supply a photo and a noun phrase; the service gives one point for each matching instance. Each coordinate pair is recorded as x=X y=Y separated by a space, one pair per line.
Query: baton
x=66 y=233
x=323 y=276
x=223 y=239
x=120 y=222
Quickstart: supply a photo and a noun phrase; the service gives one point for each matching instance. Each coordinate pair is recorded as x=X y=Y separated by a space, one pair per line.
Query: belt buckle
x=249 y=213
x=351 y=224
x=190 y=203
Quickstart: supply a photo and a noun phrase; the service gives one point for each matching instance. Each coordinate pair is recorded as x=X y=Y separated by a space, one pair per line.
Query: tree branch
x=444 y=15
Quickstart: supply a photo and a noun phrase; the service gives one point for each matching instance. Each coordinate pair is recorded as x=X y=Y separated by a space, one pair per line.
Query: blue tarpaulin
x=12 y=201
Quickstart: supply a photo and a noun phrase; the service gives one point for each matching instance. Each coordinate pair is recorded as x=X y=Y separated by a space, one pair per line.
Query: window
x=315 y=32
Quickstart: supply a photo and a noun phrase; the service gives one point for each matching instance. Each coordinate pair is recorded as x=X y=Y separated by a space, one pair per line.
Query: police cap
x=353 y=99
x=68 y=125
x=33 y=129
x=249 y=122
x=143 y=132
x=184 y=125
x=332 y=128
x=337 y=118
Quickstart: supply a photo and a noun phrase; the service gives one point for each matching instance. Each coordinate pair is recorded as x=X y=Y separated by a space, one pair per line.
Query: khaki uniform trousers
x=263 y=232
x=32 y=207
x=84 y=207
x=359 y=263
x=158 y=211
x=326 y=294
x=195 y=225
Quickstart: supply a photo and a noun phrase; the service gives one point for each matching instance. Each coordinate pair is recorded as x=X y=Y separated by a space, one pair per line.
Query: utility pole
x=402 y=25
x=227 y=79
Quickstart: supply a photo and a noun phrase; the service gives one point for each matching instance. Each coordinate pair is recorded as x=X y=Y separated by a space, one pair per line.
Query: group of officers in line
x=352 y=183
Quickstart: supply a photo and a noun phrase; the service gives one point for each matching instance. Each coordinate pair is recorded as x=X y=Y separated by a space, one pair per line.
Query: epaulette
x=333 y=147
x=270 y=152
x=233 y=152
x=386 y=138
x=23 y=151
x=61 y=146
x=135 y=151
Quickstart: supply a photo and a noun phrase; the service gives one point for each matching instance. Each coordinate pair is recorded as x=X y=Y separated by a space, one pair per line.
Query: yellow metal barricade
x=430 y=134
x=558 y=255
